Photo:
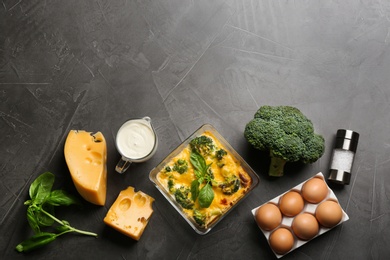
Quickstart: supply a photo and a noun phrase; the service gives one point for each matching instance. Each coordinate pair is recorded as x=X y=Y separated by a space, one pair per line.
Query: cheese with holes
x=86 y=156
x=130 y=213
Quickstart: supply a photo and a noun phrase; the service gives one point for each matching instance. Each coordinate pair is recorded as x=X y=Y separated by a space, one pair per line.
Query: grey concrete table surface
x=93 y=64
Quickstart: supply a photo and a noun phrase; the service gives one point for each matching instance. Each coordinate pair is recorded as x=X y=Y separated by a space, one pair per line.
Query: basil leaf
x=194 y=189
x=42 y=218
x=198 y=162
x=36 y=241
x=61 y=198
x=41 y=187
x=206 y=196
x=32 y=220
x=197 y=174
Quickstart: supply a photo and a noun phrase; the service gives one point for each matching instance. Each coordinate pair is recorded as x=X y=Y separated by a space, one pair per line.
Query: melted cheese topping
x=130 y=213
x=86 y=155
x=222 y=202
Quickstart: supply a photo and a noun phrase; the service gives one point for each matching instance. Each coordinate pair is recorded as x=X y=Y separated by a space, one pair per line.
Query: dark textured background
x=93 y=64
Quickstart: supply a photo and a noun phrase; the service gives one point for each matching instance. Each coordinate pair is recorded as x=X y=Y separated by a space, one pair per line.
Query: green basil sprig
x=203 y=174
x=40 y=213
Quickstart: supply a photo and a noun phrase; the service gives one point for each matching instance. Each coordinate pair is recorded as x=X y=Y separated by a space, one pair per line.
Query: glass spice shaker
x=343 y=156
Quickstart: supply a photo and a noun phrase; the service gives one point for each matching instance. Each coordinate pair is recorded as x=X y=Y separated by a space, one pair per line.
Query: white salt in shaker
x=343 y=156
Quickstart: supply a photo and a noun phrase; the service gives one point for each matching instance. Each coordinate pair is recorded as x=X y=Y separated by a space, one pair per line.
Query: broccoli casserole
x=205 y=179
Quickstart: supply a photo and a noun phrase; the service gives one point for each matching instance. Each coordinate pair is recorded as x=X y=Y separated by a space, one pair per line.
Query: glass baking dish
x=244 y=172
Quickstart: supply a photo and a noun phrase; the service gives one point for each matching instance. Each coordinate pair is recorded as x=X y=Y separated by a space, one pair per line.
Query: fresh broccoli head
x=287 y=134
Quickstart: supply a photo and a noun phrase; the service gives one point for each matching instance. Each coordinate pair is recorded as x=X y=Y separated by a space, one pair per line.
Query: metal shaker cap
x=339 y=177
x=347 y=140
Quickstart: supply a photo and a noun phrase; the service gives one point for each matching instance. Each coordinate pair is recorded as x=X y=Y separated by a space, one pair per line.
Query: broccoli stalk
x=276 y=167
x=287 y=134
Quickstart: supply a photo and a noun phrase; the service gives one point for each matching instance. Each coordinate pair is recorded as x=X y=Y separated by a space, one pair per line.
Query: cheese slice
x=86 y=157
x=130 y=213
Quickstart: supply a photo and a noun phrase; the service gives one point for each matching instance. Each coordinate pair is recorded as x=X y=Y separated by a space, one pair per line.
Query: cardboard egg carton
x=308 y=207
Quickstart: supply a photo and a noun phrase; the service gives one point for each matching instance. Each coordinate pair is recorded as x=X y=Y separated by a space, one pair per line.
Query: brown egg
x=291 y=203
x=281 y=241
x=268 y=216
x=329 y=213
x=314 y=190
x=305 y=226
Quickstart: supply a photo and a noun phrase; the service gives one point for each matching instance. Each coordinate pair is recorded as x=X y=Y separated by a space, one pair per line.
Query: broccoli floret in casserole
x=171 y=184
x=230 y=185
x=199 y=217
x=204 y=145
x=182 y=196
x=181 y=166
x=219 y=154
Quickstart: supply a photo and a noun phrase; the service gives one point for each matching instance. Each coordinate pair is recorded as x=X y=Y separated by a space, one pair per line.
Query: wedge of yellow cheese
x=130 y=213
x=86 y=157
